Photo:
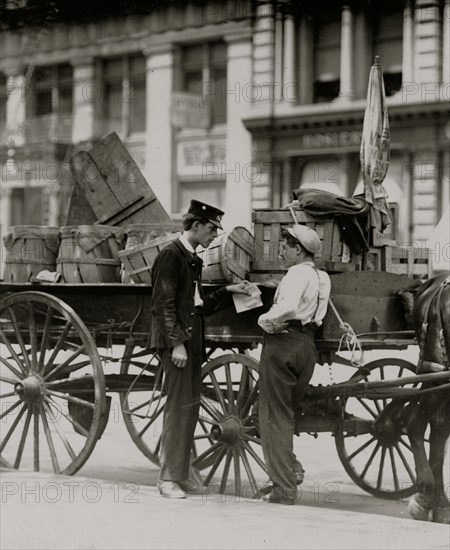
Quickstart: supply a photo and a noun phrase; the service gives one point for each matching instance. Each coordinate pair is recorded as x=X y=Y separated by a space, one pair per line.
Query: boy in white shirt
x=289 y=355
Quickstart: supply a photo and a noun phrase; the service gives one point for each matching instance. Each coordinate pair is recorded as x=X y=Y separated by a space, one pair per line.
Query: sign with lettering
x=197 y=157
x=332 y=139
x=189 y=110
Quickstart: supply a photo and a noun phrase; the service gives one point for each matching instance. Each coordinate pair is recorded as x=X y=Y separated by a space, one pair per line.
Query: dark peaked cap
x=214 y=215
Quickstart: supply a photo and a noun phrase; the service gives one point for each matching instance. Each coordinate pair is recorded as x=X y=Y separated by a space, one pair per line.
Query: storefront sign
x=194 y=156
x=189 y=110
x=332 y=139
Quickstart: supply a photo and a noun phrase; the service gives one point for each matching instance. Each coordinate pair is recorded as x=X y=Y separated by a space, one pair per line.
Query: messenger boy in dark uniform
x=178 y=307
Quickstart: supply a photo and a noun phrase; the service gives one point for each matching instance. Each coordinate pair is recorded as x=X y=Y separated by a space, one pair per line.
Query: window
x=204 y=69
x=50 y=103
x=52 y=90
x=27 y=206
x=387 y=37
x=124 y=99
x=327 y=48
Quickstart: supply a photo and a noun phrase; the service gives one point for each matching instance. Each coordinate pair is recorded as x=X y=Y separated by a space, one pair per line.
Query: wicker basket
x=228 y=257
x=89 y=253
x=29 y=250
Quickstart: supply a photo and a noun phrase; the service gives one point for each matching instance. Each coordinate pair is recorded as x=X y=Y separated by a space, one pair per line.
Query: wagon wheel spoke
x=218 y=459
x=249 y=472
x=394 y=469
x=58 y=430
x=212 y=412
x=381 y=467
x=19 y=374
x=19 y=339
x=46 y=342
x=369 y=462
x=225 y=473
x=72 y=399
x=360 y=449
x=368 y=408
x=255 y=457
x=78 y=427
x=14 y=424
x=45 y=338
x=233 y=432
x=366 y=461
x=405 y=463
x=51 y=446
x=64 y=366
x=237 y=471
x=143 y=409
x=219 y=393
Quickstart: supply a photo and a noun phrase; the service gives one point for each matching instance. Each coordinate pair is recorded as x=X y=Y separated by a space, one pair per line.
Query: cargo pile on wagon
x=116 y=226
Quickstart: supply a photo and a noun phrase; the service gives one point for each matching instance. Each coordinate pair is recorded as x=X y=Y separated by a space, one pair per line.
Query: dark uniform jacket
x=174 y=274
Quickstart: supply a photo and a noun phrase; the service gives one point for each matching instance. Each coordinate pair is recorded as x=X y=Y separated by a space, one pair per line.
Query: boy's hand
x=240 y=288
x=179 y=356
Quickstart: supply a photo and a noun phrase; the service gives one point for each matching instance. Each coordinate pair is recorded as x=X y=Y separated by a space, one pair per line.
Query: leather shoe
x=170 y=489
x=191 y=487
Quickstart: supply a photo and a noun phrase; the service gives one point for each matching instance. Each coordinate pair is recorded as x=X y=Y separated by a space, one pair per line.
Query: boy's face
x=289 y=254
x=206 y=233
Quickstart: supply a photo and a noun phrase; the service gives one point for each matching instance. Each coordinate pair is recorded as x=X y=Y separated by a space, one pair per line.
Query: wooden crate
x=137 y=261
x=228 y=257
x=335 y=255
x=108 y=180
x=406 y=260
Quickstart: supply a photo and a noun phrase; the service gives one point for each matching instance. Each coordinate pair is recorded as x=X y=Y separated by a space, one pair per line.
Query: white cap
x=307 y=237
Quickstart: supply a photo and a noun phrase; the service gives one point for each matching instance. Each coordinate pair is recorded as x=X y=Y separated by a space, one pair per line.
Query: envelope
x=245 y=302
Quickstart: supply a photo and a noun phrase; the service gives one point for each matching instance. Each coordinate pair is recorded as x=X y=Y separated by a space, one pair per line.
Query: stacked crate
x=335 y=255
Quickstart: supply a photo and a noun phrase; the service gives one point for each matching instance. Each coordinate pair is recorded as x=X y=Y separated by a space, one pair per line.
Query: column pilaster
x=346 y=87
x=86 y=95
x=159 y=132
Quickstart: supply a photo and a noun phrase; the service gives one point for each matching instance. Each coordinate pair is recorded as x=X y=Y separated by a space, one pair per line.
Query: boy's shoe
x=191 y=487
x=170 y=489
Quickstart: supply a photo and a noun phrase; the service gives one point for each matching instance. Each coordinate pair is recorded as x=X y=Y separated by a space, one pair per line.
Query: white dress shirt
x=302 y=295
x=198 y=302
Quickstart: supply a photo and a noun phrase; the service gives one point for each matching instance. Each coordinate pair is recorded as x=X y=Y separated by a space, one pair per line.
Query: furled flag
x=374 y=152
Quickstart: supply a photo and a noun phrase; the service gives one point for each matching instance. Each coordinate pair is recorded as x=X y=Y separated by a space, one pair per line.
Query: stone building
x=234 y=102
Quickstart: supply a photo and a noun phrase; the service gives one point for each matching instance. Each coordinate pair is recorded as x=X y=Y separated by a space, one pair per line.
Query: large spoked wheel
x=380 y=461
x=53 y=404
x=227 y=446
x=143 y=403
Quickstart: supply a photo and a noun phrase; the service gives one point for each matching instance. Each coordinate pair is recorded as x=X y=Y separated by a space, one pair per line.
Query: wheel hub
x=228 y=431
x=29 y=389
x=387 y=428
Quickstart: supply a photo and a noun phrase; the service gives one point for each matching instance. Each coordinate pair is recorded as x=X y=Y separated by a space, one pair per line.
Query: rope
x=349 y=340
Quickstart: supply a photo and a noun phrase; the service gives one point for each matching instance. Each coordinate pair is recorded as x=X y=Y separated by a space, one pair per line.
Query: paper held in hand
x=244 y=302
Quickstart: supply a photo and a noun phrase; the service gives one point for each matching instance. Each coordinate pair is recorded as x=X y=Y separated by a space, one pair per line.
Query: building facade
x=234 y=102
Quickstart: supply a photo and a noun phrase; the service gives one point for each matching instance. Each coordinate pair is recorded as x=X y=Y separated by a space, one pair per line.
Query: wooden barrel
x=137 y=261
x=89 y=253
x=29 y=250
x=227 y=259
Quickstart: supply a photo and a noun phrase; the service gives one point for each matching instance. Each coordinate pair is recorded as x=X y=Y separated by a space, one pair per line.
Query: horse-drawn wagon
x=65 y=347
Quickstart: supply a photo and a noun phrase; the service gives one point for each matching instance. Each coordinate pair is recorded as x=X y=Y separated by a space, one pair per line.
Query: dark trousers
x=182 y=406
x=286 y=367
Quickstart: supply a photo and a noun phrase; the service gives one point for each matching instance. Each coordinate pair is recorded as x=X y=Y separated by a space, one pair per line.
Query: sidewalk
x=60 y=512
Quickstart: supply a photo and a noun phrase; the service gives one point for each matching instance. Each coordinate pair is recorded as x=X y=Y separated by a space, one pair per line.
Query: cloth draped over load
x=350 y=214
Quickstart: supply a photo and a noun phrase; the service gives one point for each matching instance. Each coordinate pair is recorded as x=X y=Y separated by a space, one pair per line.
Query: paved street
x=113 y=503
